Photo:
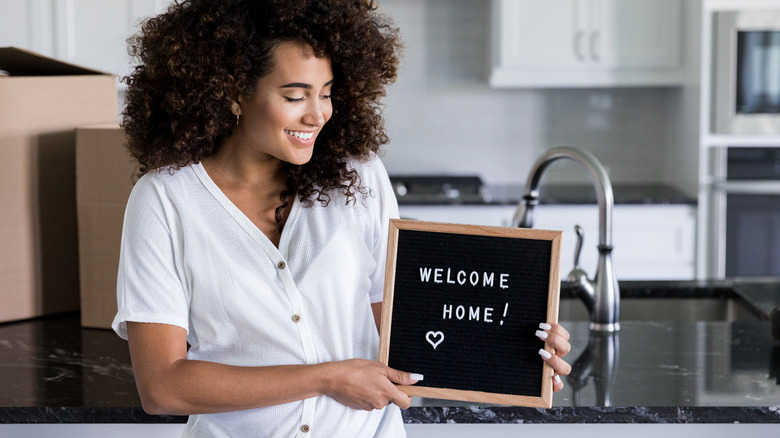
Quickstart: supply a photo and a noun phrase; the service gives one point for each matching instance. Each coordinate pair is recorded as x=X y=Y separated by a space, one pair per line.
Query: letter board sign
x=461 y=306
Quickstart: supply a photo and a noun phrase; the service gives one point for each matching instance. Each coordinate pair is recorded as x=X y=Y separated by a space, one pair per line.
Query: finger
x=555 y=328
x=560 y=345
x=403 y=378
x=557 y=383
x=560 y=331
x=560 y=366
x=400 y=399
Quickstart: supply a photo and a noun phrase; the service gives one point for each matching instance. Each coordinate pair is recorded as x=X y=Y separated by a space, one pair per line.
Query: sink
x=688 y=309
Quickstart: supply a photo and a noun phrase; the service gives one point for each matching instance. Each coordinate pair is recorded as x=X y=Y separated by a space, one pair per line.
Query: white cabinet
x=496 y=215
x=586 y=43
x=91 y=33
x=651 y=242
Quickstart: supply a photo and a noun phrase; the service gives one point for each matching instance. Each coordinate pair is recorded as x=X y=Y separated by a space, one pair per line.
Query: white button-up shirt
x=191 y=258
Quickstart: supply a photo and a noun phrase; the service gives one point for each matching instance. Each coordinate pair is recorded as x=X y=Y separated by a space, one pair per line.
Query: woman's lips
x=301 y=136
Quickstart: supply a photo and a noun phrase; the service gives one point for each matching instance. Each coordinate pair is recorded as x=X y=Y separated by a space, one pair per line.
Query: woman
x=263 y=252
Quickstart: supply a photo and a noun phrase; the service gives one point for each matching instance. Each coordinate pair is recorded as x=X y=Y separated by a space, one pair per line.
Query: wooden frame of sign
x=461 y=306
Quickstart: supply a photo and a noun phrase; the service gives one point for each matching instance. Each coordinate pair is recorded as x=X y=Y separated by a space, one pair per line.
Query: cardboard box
x=41 y=102
x=105 y=173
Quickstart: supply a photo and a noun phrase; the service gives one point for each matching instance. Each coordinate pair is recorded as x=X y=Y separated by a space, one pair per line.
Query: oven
x=747 y=213
x=746 y=72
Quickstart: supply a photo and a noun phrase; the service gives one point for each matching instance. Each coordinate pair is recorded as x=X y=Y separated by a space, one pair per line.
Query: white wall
x=441 y=115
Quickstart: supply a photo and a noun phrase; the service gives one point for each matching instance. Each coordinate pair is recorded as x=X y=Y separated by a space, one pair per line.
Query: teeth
x=301 y=135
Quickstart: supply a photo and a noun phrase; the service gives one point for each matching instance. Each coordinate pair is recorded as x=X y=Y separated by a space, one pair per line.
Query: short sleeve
x=385 y=208
x=150 y=285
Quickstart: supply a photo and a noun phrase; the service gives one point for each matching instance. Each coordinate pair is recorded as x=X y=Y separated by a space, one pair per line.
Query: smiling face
x=290 y=107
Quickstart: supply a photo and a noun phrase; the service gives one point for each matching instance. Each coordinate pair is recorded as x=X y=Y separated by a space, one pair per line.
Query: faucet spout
x=601 y=295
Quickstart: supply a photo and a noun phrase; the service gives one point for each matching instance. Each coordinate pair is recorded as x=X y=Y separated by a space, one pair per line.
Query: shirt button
x=305 y=428
x=296 y=318
x=281 y=265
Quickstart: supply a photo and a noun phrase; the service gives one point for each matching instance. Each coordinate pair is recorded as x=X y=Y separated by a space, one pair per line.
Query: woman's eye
x=325 y=96
x=294 y=99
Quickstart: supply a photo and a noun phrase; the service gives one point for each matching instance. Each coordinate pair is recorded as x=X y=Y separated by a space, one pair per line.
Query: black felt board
x=455 y=326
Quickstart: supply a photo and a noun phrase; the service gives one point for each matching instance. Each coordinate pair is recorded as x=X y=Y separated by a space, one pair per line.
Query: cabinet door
x=651 y=242
x=91 y=33
x=634 y=34
x=20 y=25
x=586 y=43
x=536 y=34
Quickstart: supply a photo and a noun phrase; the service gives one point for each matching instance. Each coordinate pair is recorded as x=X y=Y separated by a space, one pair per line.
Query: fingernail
x=415 y=376
x=545 y=354
x=545 y=326
x=557 y=379
x=541 y=334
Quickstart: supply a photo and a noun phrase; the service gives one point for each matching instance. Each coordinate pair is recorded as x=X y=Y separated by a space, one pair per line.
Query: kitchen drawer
x=651 y=242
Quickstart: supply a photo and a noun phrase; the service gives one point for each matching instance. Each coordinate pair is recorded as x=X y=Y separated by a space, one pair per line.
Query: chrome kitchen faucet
x=602 y=294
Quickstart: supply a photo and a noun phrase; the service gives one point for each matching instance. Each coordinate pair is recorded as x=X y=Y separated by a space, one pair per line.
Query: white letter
x=449 y=280
x=473 y=313
x=425 y=274
x=474 y=277
x=447 y=311
x=437 y=275
x=461 y=277
x=487 y=281
x=488 y=314
x=504 y=279
x=460 y=312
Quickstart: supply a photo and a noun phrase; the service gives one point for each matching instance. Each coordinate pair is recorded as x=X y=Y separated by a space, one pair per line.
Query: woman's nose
x=316 y=112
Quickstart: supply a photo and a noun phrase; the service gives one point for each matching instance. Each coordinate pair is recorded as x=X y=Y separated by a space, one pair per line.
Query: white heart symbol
x=434 y=338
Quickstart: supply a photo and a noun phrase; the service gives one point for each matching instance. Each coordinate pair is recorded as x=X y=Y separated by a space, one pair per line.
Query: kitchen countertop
x=575 y=194
x=566 y=194
x=54 y=371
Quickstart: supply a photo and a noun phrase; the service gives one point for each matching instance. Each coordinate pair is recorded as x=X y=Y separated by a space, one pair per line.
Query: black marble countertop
x=54 y=371
x=568 y=194
x=758 y=295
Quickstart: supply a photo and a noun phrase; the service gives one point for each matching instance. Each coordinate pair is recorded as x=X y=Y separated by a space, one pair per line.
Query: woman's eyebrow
x=303 y=85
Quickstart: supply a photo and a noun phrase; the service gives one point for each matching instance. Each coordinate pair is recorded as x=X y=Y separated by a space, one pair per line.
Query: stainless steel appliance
x=747 y=214
x=746 y=86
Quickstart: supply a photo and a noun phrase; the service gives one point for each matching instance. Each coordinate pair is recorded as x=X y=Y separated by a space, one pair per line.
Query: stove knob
x=400 y=189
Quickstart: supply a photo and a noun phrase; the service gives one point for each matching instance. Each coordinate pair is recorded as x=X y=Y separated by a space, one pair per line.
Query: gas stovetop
x=439 y=189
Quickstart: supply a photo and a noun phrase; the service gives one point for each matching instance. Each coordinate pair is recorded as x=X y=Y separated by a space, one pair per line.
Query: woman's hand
x=367 y=384
x=556 y=337
x=169 y=383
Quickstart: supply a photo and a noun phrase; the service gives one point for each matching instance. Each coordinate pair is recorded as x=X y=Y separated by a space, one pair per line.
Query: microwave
x=746 y=72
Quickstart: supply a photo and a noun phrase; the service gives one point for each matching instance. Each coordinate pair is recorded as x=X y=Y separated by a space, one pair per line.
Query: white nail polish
x=545 y=354
x=415 y=376
x=541 y=334
x=545 y=326
x=557 y=379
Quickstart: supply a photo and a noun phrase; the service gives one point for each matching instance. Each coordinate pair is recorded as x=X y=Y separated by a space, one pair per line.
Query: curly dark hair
x=200 y=55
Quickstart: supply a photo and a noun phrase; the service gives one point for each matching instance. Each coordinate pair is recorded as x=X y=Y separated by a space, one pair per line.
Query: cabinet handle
x=594 y=46
x=579 y=36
